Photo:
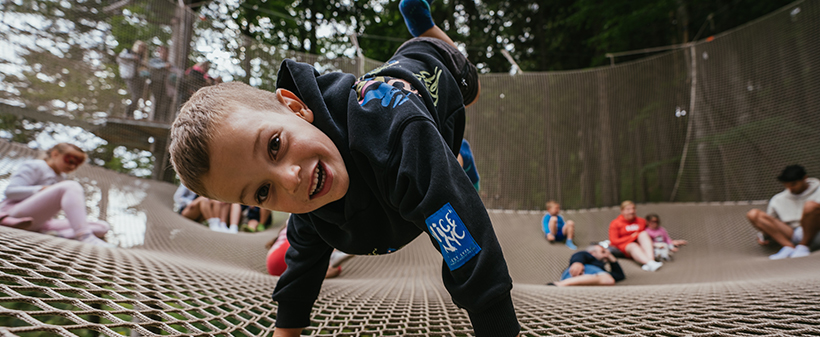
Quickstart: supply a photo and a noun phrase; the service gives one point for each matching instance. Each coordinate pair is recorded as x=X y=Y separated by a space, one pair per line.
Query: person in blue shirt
x=555 y=228
x=587 y=268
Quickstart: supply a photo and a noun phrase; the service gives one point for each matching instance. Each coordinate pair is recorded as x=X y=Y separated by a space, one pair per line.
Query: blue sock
x=571 y=245
x=416 y=15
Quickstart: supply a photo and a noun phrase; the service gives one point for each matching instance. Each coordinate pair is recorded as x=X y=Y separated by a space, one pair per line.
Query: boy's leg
x=417 y=16
x=569 y=233
x=553 y=227
x=810 y=222
x=771 y=227
x=235 y=214
x=437 y=33
x=194 y=210
x=209 y=210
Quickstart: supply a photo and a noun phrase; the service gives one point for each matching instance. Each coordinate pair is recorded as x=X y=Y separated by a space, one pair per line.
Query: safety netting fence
x=712 y=122
x=715 y=120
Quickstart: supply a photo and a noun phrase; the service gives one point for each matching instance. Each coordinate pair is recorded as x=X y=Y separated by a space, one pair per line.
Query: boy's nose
x=291 y=178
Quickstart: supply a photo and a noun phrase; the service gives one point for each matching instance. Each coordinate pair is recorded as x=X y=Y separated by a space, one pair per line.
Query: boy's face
x=275 y=160
x=797 y=187
x=554 y=209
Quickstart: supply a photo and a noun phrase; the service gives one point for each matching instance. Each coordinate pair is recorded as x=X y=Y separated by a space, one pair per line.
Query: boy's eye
x=262 y=194
x=273 y=146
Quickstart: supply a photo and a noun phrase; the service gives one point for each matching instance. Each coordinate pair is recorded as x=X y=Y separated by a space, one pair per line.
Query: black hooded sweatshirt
x=398 y=129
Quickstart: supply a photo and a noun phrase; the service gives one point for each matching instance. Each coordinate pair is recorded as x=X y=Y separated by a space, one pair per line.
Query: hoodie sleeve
x=299 y=286
x=24 y=182
x=427 y=186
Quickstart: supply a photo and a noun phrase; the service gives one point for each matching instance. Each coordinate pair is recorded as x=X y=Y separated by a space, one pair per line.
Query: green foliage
x=294 y=25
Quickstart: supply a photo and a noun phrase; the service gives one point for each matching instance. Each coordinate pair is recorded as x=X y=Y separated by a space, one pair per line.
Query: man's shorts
x=588 y=270
x=797 y=236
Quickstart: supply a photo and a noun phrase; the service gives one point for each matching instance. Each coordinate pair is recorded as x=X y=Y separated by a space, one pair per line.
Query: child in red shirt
x=626 y=233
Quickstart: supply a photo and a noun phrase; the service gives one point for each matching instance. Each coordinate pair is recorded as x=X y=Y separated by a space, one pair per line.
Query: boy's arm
x=428 y=187
x=545 y=224
x=299 y=286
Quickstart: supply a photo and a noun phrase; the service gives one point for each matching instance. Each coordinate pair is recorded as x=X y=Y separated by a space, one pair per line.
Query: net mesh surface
x=187 y=280
x=710 y=124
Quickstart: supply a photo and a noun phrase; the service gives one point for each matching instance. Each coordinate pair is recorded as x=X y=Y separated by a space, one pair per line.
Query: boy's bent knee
x=753 y=214
x=570 y=223
x=811 y=207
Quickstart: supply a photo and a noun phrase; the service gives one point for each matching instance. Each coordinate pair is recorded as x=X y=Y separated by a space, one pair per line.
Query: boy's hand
x=576 y=269
x=287 y=332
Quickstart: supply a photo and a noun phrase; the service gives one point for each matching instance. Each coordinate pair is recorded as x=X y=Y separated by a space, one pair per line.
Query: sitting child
x=364 y=166
x=39 y=189
x=278 y=246
x=662 y=242
x=257 y=218
x=587 y=269
x=554 y=226
x=199 y=208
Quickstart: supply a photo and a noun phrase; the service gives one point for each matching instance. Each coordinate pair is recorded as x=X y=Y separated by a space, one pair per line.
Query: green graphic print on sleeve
x=431 y=81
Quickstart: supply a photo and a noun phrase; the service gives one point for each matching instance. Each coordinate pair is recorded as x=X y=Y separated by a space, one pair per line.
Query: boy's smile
x=275 y=159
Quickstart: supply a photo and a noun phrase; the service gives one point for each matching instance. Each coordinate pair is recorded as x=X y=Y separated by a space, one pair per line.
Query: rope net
x=710 y=124
x=718 y=126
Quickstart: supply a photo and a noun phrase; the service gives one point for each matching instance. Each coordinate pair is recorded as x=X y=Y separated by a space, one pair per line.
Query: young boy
x=365 y=166
x=554 y=226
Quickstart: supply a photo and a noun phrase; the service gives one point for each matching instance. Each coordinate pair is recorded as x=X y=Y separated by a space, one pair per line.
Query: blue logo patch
x=455 y=242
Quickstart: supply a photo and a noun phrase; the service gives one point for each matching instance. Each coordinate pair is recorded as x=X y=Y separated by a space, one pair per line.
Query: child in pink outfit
x=660 y=237
x=38 y=190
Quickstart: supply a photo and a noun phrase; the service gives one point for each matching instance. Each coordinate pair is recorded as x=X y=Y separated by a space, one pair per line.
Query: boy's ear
x=294 y=104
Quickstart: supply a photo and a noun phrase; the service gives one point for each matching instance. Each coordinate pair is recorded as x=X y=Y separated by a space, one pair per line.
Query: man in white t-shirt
x=793 y=216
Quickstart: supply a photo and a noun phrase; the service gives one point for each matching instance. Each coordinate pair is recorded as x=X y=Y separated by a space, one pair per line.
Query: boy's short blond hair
x=195 y=126
x=551 y=203
x=627 y=203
